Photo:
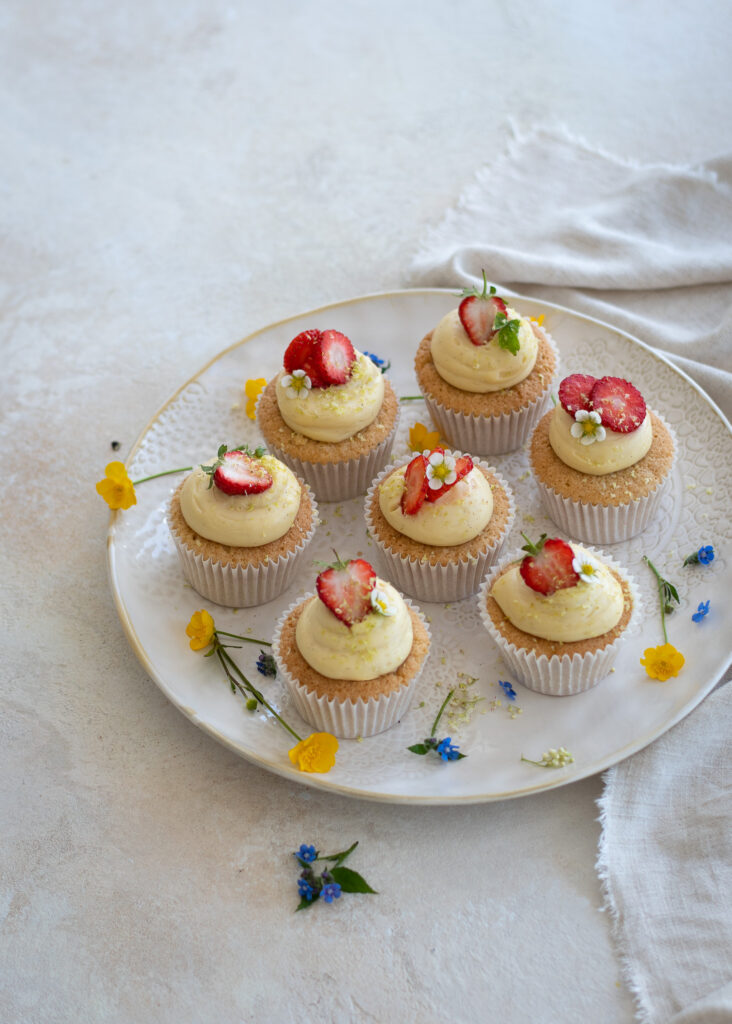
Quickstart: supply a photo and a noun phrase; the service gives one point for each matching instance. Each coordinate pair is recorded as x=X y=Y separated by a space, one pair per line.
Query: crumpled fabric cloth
x=647 y=248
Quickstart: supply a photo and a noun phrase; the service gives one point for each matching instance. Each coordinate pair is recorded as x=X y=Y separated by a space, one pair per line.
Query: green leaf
x=418 y=748
x=304 y=904
x=459 y=757
x=222 y=451
x=351 y=881
x=508 y=335
x=672 y=591
x=340 y=857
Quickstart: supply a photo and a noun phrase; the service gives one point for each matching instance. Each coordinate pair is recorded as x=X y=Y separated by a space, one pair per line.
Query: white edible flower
x=586 y=569
x=587 y=427
x=440 y=470
x=381 y=602
x=298 y=384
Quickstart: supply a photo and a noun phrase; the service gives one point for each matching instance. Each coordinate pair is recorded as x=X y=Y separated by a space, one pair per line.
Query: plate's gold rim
x=325 y=782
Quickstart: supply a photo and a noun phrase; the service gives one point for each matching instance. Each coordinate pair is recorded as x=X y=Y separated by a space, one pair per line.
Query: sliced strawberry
x=547 y=567
x=333 y=359
x=621 y=405
x=574 y=392
x=346 y=590
x=416 y=488
x=300 y=355
x=477 y=315
x=241 y=474
x=463 y=466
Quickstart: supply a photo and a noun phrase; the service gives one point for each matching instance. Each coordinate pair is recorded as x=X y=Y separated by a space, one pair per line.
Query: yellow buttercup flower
x=421 y=439
x=116 y=488
x=200 y=629
x=316 y=753
x=662 y=662
x=253 y=389
x=538 y=319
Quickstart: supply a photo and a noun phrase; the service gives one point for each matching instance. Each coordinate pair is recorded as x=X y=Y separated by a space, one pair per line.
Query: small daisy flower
x=298 y=384
x=587 y=427
x=440 y=470
x=586 y=569
x=381 y=602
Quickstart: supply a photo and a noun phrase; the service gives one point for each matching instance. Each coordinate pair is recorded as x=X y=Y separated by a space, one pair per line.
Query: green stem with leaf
x=666 y=594
x=245 y=687
x=166 y=472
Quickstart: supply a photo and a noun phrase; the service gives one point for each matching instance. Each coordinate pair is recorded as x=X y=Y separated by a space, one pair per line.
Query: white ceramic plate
x=620 y=716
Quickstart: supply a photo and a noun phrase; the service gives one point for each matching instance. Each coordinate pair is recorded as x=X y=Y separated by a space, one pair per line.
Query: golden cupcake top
x=559 y=592
x=357 y=627
x=242 y=498
x=484 y=345
x=328 y=391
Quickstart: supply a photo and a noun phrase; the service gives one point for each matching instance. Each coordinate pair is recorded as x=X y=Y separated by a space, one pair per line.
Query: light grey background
x=174 y=176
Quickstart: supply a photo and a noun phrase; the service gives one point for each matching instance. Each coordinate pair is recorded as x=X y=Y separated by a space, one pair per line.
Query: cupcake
x=330 y=415
x=351 y=654
x=439 y=520
x=240 y=524
x=486 y=374
x=601 y=459
x=559 y=615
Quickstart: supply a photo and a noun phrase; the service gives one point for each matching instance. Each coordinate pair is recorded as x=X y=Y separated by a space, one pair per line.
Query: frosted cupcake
x=330 y=415
x=486 y=374
x=439 y=520
x=559 y=615
x=352 y=653
x=240 y=524
x=601 y=459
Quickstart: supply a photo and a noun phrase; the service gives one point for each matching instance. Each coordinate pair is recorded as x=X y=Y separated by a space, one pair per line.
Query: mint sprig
x=507 y=333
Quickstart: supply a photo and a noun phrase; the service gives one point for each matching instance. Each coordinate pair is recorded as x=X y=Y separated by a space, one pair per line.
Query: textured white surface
x=174 y=176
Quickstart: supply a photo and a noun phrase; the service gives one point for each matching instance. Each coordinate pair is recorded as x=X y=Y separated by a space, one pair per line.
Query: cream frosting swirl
x=576 y=613
x=339 y=411
x=458 y=516
x=241 y=520
x=367 y=649
x=616 y=451
x=481 y=368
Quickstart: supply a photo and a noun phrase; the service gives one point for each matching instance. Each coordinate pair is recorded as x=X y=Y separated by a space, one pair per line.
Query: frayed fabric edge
x=629 y=973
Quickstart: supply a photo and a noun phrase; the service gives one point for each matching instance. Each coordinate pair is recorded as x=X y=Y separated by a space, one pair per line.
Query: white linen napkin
x=647 y=249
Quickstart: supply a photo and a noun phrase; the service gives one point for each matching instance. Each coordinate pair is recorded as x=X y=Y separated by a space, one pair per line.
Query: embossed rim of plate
x=545 y=782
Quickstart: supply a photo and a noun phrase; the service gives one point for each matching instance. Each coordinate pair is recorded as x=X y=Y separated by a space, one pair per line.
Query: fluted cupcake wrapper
x=565 y=675
x=437 y=583
x=604 y=524
x=339 y=481
x=346 y=719
x=491 y=435
x=242 y=586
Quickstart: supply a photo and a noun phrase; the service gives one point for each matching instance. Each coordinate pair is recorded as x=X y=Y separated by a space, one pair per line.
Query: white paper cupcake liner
x=437 y=583
x=561 y=676
x=347 y=719
x=491 y=435
x=242 y=586
x=339 y=481
x=604 y=524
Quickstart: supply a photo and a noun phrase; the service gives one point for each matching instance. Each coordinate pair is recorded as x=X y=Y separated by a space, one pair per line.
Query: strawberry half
x=241 y=474
x=574 y=392
x=621 y=405
x=300 y=355
x=547 y=567
x=345 y=588
x=477 y=315
x=333 y=359
x=463 y=466
x=416 y=487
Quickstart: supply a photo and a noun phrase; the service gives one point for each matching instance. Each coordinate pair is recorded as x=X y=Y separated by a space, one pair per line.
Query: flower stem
x=410 y=398
x=247 y=639
x=249 y=688
x=661 y=595
x=445 y=702
x=166 y=472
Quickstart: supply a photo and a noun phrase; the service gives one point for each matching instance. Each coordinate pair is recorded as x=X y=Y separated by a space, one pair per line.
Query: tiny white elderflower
x=440 y=470
x=381 y=602
x=586 y=569
x=587 y=427
x=298 y=384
